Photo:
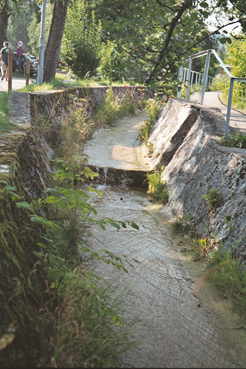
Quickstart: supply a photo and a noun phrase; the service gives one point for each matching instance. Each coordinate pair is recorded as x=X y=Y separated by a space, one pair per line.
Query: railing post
x=41 y=46
x=27 y=71
x=188 y=80
x=228 y=115
x=10 y=60
x=180 y=77
x=205 y=78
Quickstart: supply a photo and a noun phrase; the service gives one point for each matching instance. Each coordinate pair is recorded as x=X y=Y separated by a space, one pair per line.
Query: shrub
x=81 y=40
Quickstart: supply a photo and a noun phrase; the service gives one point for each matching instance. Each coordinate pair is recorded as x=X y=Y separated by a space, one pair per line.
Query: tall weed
x=114 y=108
x=229 y=277
x=156 y=187
x=5 y=123
x=153 y=108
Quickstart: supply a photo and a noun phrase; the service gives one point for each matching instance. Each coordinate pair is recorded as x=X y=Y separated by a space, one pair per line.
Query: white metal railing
x=196 y=77
x=205 y=80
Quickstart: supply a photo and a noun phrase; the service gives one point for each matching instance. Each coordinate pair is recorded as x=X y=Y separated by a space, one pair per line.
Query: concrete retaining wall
x=185 y=140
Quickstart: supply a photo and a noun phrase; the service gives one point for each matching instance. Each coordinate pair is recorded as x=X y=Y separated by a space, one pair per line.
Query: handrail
x=205 y=79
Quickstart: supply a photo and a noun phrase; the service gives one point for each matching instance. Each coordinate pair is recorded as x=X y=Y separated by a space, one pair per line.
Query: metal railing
x=196 y=77
x=205 y=81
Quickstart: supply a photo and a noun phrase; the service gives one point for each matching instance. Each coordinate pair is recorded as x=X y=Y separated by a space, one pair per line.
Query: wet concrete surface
x=118 y=146
x=176 y=328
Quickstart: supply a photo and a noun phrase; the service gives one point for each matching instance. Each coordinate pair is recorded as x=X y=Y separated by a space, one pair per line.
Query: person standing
x=4 y=53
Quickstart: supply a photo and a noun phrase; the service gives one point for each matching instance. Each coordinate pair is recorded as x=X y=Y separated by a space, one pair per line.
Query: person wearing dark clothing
x=4 y=58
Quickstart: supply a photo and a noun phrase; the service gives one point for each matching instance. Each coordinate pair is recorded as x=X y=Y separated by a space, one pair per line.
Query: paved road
x=17 y=83
x=212 y=99
x=176 y=327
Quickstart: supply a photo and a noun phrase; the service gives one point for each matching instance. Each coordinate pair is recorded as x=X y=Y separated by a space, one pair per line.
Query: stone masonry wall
x=197 y=164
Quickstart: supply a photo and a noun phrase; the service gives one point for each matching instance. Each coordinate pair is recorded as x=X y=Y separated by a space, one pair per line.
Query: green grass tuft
x=5 y=123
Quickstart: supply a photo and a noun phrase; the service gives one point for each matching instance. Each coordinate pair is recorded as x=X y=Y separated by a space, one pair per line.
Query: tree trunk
x=53 y=46
x=4 y=17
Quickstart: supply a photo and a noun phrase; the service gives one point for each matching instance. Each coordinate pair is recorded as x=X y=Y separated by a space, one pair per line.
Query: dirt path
x=176 y=327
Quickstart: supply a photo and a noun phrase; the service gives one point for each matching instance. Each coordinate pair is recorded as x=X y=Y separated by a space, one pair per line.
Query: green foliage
x=5 y=124
x=81 y=40
x=229 y=277
x=75 y=128
x=114 y=108
x=237 y=65
x=182 y=225
x=79 y=316
x=22 y=289
x=212 y=198
x=238 y=140
x=33 y=28
x=147 y=41
x=156 y=187
x=153 y=108
x=117 y=65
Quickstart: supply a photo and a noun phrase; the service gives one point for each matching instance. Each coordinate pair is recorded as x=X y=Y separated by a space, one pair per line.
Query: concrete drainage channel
x=174 y=328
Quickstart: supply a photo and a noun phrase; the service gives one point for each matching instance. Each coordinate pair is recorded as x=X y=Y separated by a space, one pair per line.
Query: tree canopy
x=139 y=40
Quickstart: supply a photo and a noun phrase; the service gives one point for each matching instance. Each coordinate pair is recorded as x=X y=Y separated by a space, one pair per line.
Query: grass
x=238 y=140
x=221 y=268
x=5 y=123
x=63 y=81
x=229 y=277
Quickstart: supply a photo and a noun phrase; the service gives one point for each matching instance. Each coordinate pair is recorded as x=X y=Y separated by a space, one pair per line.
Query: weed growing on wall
x=238 y=140
x=156 y=187
x=212 y=198
x=153 y=108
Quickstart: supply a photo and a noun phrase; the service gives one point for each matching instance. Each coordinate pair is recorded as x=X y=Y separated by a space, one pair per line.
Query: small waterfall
x=105 y=170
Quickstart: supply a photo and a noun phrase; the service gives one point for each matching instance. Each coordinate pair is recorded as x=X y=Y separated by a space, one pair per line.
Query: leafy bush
x=117 y=65
x=81 y=40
